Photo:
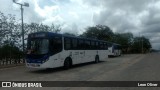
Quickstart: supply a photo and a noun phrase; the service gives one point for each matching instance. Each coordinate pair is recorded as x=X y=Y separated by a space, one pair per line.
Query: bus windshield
x=38 y=46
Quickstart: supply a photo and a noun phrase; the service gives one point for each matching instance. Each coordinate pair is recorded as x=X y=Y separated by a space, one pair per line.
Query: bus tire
x=96 y=59
x=67 y=63
x=120 y=54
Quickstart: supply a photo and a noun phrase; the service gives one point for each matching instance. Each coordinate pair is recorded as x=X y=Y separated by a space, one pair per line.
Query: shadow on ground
x=59 y=69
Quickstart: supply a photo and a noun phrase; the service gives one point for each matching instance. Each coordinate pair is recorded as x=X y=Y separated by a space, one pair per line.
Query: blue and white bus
x=114 y=49
x=50 y=50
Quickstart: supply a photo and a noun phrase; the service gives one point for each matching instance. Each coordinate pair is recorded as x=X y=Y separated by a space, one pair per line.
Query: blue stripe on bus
x=40 y=60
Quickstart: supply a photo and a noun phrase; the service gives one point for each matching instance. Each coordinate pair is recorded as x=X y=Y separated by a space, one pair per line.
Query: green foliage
x=141 y=45
x=8 y=51
x=124 y=39
x=69 y=34
x=101 y=32
x=7 y=30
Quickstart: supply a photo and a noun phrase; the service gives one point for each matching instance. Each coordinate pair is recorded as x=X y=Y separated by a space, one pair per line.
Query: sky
x=141 y=17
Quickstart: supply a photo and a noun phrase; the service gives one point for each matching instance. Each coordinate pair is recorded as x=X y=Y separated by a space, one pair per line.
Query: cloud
x=151 y=21
x=156 y=46
x=6 y=6
x=136 y=16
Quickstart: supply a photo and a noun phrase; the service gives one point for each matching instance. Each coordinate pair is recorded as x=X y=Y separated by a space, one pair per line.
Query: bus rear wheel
x=97 y=59
x=67 y=64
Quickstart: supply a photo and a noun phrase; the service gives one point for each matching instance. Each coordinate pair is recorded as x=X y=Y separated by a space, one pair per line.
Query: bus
x=114 y=49
x=51 y=50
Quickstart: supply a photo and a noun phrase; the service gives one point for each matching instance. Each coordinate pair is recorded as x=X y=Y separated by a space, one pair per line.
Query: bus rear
x=114 y=49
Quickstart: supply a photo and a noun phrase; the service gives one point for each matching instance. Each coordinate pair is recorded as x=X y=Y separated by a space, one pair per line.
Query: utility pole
x=142 y=45
x=26 y=5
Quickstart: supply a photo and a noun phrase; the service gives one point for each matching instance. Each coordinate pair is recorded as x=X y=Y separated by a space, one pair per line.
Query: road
x=132 y=67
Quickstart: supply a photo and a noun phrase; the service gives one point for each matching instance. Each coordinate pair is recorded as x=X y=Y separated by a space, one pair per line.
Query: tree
x=141 y=45
x=55 y=28
x=100 y=32
x=69 y=34
x=7 y=30
x=124 y=39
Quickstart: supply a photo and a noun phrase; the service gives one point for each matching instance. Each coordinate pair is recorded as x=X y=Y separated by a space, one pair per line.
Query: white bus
x=114 y=49
x=50 y=50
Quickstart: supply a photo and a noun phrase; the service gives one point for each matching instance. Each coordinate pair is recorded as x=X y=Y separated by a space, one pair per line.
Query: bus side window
x=105 y=46
x=92 y=45
x=67 y=43
x=115 y=46
x=56 y=45
x=87 y=45
x=74 y=44
x=97 y=45
x=101 y=46
x=80 y=44
x=120 y=47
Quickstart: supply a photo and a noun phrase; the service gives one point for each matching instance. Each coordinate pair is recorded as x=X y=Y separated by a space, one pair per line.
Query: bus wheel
x=120 y=54
x=67 y=64
x=97 y=59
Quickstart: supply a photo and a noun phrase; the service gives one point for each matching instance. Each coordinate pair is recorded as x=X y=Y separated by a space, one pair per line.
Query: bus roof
x=51 y=34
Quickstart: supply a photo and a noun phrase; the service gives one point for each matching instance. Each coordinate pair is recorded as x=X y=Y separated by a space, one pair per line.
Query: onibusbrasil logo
x=21 y=84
